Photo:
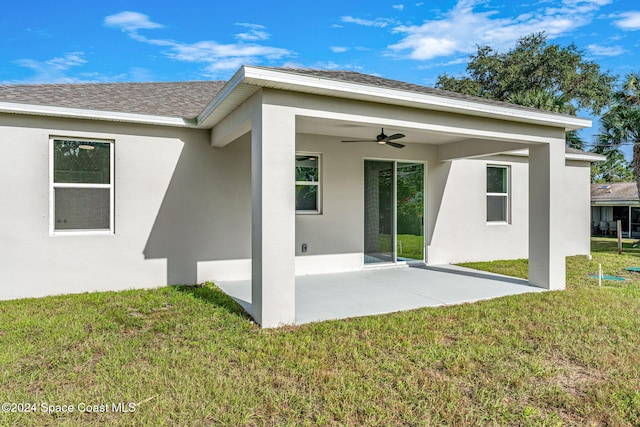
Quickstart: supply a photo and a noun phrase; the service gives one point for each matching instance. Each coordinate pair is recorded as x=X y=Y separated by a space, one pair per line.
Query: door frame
x=394 y=236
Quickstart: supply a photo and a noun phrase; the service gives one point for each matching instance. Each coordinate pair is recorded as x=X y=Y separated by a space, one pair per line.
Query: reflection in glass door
x=393 y=211
x=409 y=211
x=378 y=211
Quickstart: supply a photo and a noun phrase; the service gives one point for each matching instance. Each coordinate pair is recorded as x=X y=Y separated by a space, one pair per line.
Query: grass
x=410 y=246
x=189 y=356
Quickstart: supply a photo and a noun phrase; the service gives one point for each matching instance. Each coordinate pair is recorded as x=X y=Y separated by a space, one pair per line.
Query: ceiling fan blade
x=394 y=136
x=360 y=140
x=395 y=144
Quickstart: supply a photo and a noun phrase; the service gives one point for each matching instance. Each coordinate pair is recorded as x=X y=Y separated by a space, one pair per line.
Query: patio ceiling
x=359 y=130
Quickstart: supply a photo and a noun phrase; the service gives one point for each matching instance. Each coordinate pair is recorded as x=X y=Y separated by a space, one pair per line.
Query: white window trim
x=318 y=184
x=507 y=194
x=53 y=185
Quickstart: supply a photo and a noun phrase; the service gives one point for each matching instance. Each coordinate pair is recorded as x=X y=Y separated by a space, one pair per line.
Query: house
x=134 y=185
x=615 y=201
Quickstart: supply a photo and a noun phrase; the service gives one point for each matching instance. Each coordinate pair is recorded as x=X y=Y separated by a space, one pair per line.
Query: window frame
x=506 y=194
x=53 y=185
x=317 y=184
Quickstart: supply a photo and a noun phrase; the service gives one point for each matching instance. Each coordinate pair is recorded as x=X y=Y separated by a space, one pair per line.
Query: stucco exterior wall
x=335 y=238
x=457 y=230
x=178 y=204
x=183 y=209
x=577 y=208
x=460 y=229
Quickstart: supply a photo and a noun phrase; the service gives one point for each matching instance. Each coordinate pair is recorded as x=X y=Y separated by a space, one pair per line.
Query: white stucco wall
x=577 y=221
x=183 y=209
x=457 y=230
x=460 y=229
x=339 y=229
x=179 y=203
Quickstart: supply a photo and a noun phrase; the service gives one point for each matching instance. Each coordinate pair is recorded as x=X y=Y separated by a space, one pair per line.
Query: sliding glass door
x=378 y=211
x=410 y=212
x=393 y=211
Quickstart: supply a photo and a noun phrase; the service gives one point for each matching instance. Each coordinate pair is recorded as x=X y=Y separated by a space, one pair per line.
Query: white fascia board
x=221 y=96
x=587 y=157
x=78 y=113
x=591 y=157
x=310 y=84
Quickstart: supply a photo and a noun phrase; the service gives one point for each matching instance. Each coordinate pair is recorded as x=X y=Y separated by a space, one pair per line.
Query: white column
x=273 y=215
x=546 y=253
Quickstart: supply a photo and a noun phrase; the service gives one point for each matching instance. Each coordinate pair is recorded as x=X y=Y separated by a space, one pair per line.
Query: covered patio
x=285 y=115
x=386 y=290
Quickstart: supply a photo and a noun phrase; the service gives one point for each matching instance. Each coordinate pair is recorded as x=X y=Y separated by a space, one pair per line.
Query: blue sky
x=69 y=41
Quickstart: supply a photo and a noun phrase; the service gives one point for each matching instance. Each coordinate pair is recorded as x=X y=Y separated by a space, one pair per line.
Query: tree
x=536 y=74
x=615 y=169
x=621 y=124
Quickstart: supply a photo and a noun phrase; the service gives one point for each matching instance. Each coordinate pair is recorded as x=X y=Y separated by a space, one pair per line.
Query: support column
x=273 y=215
x=546 y=254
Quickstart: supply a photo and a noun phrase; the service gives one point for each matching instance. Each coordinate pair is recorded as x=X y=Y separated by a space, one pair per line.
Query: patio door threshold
x=398 y=264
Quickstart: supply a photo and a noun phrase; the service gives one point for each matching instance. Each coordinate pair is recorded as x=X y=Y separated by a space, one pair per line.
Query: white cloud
x=256 y=32
x=628 y=20
x=338 y=49
x=216 y=57
x=64 y=69
x=335 y=66
x=130 y=21
x=210 y=51
x=398 y=6
x=72 y=59
x=380 y=23
x=606 y=50
x=430 y=65
x=461 y=29
x=54 y=70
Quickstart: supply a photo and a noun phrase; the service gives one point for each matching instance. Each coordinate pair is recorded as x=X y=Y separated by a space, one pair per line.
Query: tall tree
x=536 y=74
x=615 y=169
x=621 y=124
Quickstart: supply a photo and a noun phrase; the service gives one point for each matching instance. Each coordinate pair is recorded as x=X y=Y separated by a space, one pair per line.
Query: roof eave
x=614 y=202
x=583 y=157
x=268 y=78
x=590 y=157
x=78 y=113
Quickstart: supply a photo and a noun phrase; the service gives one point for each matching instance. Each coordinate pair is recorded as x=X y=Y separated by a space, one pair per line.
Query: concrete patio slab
x=386 y=290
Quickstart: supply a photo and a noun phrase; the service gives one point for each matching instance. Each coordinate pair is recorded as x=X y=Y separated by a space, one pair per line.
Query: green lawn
x=189 y=356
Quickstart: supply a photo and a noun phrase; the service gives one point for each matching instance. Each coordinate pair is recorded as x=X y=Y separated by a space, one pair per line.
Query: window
x=307 y=183
x=497 y=194
x=81 y=185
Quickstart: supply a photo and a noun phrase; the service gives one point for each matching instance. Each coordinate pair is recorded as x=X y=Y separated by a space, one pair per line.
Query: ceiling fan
x=383 y=139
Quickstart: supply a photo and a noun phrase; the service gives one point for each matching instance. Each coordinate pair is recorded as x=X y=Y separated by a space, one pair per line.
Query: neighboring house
x=134 y=185
x=612 y=202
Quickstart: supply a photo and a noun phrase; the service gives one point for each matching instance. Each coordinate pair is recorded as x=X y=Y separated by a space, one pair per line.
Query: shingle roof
x=173 y=99
x=367 y=79
x=188 y=99
x=615 y=191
